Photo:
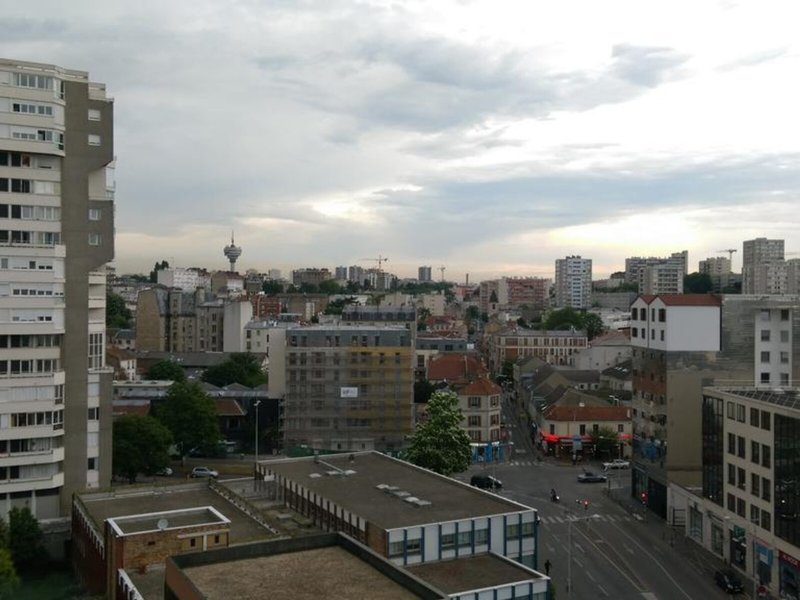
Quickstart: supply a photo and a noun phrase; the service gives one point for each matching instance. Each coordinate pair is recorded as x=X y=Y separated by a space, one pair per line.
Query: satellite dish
x=162 y=524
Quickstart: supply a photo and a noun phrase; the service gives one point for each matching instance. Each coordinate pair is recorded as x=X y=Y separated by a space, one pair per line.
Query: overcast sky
x=488 y=137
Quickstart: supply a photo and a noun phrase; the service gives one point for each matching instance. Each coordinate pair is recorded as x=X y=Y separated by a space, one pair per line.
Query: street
x=619 y=550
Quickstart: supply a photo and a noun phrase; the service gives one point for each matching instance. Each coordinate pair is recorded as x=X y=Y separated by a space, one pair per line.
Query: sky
x=486 y=137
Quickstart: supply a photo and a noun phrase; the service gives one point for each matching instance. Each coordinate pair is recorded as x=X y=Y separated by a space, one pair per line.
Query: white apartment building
x=573 y=282
x=56 y=234
x=186 y=279
x=658 y=275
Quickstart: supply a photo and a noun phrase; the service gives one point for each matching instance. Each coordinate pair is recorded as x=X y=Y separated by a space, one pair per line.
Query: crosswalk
x=595 y=517
x=524 y=463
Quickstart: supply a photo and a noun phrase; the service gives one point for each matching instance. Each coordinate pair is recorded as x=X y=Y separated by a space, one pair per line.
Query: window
x=634 y=332
x=784 y=378
x=766 y=456
x=94 y=414
x=652 y=334
x=474 y=421
x=741 y=478
x=662 y=335
x=662 y=315
x=95 y=214
x=464 y=538
x=731 y=502
x=583 y=429
x=754 y=514
x=765 y=335
x=764 y=357
x=448 y=541
x=754 y=417
x=766 y=489
x=784 y=314
x=765 y=420
x=94 y=114
x=765 y=520
x=395 y=549
x=28 y=80
x=94 y=139
x=731 y=474
x=413 y=546
x=740 y=446
x=731 y=443
x=740 y=507
x=481 y=536
x=474 y=402
x=96 y=350
x=764 y=377
x=740 y=413
x=92 y=464
x=731 y=410
x=754 y=452
x=95 y=239
x=755 y=485
x=765 y=314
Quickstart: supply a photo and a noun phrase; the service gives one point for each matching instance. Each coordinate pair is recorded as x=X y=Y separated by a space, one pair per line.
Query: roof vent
x=349 y=472
x=314 y=475
x=411 y=499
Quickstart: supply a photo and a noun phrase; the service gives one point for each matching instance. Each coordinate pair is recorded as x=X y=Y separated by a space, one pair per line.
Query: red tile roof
x=587 y=413
x=228 y=407
x=455 y=367
x=684 y=299
x=480 y=387
x=142 y=410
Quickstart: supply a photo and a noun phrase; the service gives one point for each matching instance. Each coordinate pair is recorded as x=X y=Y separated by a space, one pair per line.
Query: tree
x=593 y=324
x=330 y=287
x=9 y=580
x=423 y=391
x=439 y=443
x=159 y=266
x=336 y=307
x=272 y=287
x=697 y=283
x=605 y=441
x=140 y=445
x=190 y=415
x=507 y=370
x=118 y=315
x=241 y=367
x=166 y=370
x=24 y=538
x=564 y=318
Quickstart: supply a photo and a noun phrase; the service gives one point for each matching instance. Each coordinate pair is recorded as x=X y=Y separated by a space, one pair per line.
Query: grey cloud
x=645 y=65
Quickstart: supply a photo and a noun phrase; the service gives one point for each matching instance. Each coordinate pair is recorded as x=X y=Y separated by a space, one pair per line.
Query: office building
x=341 y=274
x=424 y=274
x=573 y=284
x=763 y=267
x=56 y=235
x=187 y=280
x=310 y=276
x=346 y=387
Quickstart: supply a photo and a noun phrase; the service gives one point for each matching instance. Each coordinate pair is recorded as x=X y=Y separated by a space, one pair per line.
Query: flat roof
x=472 y=573
x=170 y=519
x=358 y=491
x=126 y=503
x=331 y=573
x=786 y=397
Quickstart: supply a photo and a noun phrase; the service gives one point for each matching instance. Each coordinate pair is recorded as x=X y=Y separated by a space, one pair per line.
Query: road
x=619 y=550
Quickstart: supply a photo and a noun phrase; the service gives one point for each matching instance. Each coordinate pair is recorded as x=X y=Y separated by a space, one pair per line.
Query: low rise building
x=556 y=347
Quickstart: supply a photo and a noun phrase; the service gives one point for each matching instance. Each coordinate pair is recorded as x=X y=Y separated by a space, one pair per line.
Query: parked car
x=486 y=482
x=204 y=472
x=729 y=581
x=165 y=472
x=617 y=463
x=590 y=477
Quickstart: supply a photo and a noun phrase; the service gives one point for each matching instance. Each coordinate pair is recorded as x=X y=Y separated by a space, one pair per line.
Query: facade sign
x=788 y=576
x=348 y=392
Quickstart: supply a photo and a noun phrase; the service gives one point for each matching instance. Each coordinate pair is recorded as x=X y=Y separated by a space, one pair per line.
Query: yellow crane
x=730 y=252
x=380 y=260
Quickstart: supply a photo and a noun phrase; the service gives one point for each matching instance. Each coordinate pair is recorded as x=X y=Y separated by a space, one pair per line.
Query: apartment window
x=766 y=456
x=448 y=541
x=29 y=80
x=474 y=402
x=765 y=335
x=765 y=420
x=740 y=413
x=730 y=408
x=731 y=443
x=764 y=357
x=784 y=336
x=731 y=502
x=766 y=489
x=95 y=239
x=784 y=358
x=95 y=214
x=755 y=487
x=583 y=429
x=662 y=335
x=94 y=139
x=96 y=350
x=754 y=452
x=481 y=536
x=92 y=464
x=634 y=332
x=652 y=334
x=754 y=514
x=641 y=331
x=754 y=417
x=740 y=446
x=784 y=314
x=94 y=414
x=731 y=474
x=474 y=421
x=784 y=378
x=740 y=507
x=765 y=520
x=764 y=378
x=620 y=428
x=741 y=478
x=414 y=546
x=765 y=314
x=662 y=315
x=94 y=114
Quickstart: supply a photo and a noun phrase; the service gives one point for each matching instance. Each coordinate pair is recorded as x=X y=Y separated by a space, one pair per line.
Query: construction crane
x=442 y=268
x=380 y=260
x=730 y=252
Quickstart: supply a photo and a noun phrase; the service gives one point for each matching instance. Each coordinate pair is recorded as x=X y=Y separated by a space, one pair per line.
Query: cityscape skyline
x=447 y=136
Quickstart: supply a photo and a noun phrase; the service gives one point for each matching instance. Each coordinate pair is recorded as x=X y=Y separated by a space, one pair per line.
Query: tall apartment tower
x=763 y=267
x=56 y=235
x=573 y=282
x=424 y=274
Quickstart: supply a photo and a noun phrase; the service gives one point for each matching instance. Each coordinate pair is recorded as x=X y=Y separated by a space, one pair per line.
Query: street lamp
x=255 y=471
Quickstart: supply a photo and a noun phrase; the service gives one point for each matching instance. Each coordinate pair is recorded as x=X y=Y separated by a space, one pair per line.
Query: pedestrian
x=547 y=566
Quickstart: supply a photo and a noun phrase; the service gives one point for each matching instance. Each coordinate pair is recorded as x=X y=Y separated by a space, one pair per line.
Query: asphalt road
x=618 y=549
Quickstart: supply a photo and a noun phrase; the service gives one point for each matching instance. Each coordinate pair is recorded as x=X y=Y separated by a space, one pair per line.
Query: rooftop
x=171 y=519
x=684 y=299
x=145 y=501
x=389 y=505
x=472 y=573
x=790 y=398
x=332 y=573
x=587 y=413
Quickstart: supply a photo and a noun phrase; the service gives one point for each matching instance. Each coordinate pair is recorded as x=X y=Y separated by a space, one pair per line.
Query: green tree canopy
x=241 y=367
x=605 y=441
x=337 y=306
x=329 y=286
x=423 y=391
x=166 y=370
x=9 y=580
x=190 y=415
x=272 y=287
x=593 y=324
x=567 y=317
x=140 y=445
x=118 y=315
x=159 y=266
x=439 y=443
x=25 y=539
x=697 y=283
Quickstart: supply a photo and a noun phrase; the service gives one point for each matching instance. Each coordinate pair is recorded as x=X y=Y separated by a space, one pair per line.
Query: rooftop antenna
x=442 y=268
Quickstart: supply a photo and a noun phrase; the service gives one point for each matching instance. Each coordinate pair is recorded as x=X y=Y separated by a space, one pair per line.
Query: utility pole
x=256 y=476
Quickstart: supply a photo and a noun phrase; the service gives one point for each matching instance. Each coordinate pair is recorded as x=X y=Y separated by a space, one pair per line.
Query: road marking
x=628 y=549
x=577 y=562
x=579 y=547
x=602 y=591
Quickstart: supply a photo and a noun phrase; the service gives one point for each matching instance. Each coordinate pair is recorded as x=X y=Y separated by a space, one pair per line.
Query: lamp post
x=255 y=470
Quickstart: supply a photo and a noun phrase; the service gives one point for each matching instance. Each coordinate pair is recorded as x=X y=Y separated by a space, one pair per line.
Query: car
x=486 y=482
x=590 y=477
x=729 y=581
x=617 y=463
x=203 y=472
x=165 y=472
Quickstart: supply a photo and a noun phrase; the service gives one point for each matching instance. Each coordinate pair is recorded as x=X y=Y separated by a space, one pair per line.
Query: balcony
x=10 y=486
x=52 y=455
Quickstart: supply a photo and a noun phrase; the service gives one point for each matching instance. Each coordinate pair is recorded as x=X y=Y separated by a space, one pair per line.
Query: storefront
x=738 y=547
x=765 y=558
x=788 y=576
